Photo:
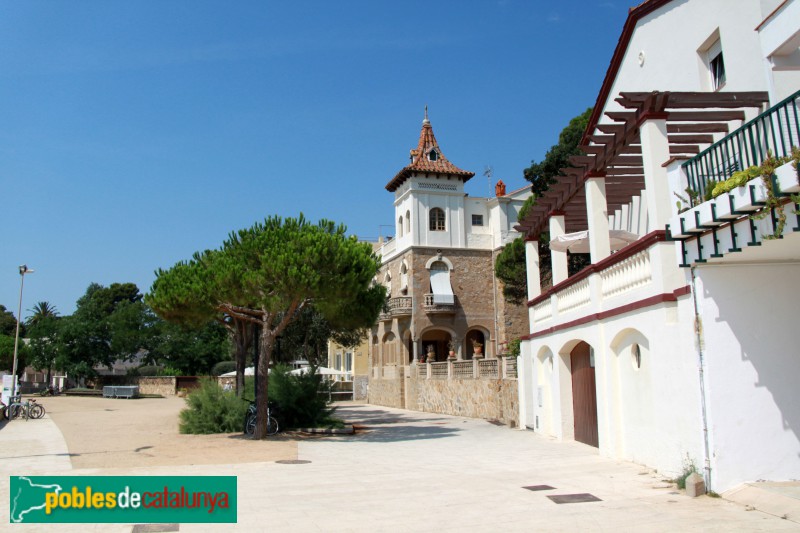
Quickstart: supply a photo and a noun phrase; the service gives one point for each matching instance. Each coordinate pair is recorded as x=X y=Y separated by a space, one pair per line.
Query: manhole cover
x=539 y=487
x=292 y=462
x=575 y=498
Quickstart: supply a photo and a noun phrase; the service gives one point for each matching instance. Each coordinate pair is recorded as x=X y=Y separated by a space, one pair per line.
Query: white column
x=533 y=274
x=559 y=259
x=655 y=152
x=597 y=217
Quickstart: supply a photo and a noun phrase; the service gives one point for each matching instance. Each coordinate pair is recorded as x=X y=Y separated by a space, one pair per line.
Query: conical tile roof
x=427 y=158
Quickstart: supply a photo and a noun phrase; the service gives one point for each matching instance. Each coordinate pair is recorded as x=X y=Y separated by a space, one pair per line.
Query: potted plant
x=452 y=346
x=431 y=354
x=477 y=349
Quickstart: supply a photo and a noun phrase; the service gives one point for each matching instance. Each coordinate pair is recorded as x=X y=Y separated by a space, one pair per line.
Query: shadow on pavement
x=377 y=425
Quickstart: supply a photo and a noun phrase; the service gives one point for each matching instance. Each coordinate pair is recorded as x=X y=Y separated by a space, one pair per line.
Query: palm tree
x=41 y=311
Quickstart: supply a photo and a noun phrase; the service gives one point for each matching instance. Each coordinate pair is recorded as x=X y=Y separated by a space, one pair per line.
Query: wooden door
x=584 y=395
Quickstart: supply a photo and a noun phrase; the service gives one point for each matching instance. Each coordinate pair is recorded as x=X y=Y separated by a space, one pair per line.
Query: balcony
x=438 y=308
x=749 y=214
x=504 y=368
x=612 y=286
x=397 y=308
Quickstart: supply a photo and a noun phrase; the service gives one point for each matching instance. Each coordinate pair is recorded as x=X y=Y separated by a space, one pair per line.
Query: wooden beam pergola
x=694 y=120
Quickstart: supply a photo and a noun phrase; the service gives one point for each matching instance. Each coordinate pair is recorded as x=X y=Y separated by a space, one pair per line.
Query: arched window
x=387 y=282
x=433 y=155
x=400 y=227
x=404 y=278
x=437 y=219
x=408 y=221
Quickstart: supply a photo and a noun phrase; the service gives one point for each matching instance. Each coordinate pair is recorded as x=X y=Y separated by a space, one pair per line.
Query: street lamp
x=23 y=269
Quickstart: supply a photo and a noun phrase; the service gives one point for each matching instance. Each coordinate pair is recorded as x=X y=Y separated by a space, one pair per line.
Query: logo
x=122 y=499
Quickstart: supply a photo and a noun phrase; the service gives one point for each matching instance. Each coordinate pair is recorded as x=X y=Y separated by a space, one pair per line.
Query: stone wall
x=360 y=388
x=163 y=385
x=386 y=392
x=491 y=399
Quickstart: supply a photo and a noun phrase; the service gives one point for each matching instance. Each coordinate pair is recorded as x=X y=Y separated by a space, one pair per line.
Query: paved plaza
x=409 y=471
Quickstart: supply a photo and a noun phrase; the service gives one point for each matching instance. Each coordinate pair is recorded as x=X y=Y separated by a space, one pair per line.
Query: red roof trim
x=634 y=15
x=633 y=248
x=635 y=306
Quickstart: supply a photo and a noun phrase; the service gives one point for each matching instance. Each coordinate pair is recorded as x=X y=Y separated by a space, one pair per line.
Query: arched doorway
x=436 y=340
x=474 y=338
x=584 y=394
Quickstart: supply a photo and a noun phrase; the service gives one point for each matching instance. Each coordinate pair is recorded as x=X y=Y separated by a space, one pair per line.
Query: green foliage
x=298 y=397
x=689 y=468
x=43 y=336
x=543 y=174
x=514 y=347
x=7 y=354
x=211 y=410
x=529 y=202
x=223 y=367
x=147 y=370
x=736 y=180
x=169 y=371
x=41 y=311
x=509 y=267
x=8 y=323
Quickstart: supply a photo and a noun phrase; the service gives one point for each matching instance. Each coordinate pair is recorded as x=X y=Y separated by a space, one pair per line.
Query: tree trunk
x=241 y=342
x=266 y=342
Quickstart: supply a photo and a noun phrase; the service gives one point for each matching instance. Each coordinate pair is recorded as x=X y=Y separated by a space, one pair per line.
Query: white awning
x=578 y=242
x=440 y=287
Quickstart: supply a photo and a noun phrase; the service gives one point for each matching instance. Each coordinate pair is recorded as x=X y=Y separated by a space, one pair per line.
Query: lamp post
x=23 y=269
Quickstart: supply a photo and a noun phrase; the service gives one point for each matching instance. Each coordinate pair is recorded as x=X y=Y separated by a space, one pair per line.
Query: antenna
x=488 y=173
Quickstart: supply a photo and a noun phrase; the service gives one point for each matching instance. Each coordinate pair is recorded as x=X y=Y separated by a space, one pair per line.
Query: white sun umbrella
x=322 y=370
x=578 y=242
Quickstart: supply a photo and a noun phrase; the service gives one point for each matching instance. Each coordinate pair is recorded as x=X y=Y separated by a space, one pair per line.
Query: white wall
x=649 y=415
x=670 y=38
x=753 y=371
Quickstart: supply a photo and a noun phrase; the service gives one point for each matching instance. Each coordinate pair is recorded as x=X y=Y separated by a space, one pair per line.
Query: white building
x=679 y=347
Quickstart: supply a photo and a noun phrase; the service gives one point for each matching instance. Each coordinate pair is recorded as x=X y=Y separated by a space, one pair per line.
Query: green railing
x=776 y=130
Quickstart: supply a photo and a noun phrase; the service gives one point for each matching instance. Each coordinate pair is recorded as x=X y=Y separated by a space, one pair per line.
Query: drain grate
x=539 y=487
x=155 y=528
x=575 y=498
x=292 y=462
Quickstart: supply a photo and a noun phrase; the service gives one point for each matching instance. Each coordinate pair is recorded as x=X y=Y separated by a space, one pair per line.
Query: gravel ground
x=108 y=433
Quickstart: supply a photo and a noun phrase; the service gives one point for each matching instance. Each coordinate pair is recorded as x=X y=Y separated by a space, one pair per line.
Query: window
x=477 y=220
x=348 y=362
x=437 y=219
x=408 y=221
x=433 y=155
x=400 y=227
x=404 y=278
x=716 y=64
x=441 y=289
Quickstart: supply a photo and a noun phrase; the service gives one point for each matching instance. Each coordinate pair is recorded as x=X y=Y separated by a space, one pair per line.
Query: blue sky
x=133 y=134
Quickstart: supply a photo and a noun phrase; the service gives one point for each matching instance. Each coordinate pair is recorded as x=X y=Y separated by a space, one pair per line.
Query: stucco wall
x=491 y=399
x=385 y=391
x=752 y=369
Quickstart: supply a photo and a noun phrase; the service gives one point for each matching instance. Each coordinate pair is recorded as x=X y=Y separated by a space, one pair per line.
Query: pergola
x=615 y=149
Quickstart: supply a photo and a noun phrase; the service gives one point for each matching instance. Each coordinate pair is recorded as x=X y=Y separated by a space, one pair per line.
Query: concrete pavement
x=409 y=471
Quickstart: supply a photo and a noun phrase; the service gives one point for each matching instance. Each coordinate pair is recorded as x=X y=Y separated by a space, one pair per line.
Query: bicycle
x=30 y=409
x=250 y=419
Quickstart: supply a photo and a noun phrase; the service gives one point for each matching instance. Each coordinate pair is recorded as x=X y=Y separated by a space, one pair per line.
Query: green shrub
x=514 y=347
x=736 y=180
x=147 y=370
x=212 y=410
x=302 y=399
x=223 y=367
x=169 y=371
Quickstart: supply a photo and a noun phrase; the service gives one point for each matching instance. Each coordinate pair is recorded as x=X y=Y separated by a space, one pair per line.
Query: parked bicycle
x=250 y=419
x=28 y=409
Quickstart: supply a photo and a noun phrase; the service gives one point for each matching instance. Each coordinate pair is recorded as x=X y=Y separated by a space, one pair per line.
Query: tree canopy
x=266 y=275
